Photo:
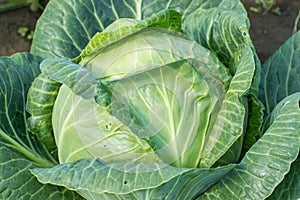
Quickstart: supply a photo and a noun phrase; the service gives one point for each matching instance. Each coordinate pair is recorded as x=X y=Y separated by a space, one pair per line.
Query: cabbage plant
x=149 y=100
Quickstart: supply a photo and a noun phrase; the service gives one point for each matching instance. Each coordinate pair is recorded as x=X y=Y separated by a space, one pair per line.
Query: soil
x=10 y=40
x=268 y=29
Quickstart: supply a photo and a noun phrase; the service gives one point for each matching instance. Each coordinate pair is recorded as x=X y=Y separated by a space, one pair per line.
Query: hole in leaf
x=108 y=126
x=125 y=182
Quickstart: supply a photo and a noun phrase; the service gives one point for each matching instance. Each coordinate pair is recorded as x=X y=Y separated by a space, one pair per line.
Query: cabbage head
x=144 y=91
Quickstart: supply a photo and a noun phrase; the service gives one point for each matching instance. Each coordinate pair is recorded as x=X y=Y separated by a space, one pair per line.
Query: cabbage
x=148 y=100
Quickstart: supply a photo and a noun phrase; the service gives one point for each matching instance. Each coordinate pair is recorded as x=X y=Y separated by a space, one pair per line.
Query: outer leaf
x=254 y=129
x=15 y=79
x=74 y=76
x=231 y=121
x=221 y=26
x=280 y=78
x=66 y=27
x=40 y=100
x=18 y=183
x=289 y=187
x=119 y=178
x=19 y=150
x=269 y=159
x=191 y=184
x=130 y=181
x=281 y=74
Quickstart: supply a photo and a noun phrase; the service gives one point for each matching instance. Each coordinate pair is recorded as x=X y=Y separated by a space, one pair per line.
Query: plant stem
x=34 y=157
x=8 y=6
x=296 y=23
x=35 y=5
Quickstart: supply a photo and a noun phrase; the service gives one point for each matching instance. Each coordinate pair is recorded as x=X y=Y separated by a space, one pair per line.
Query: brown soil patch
x=10 y=41
x=269 y=30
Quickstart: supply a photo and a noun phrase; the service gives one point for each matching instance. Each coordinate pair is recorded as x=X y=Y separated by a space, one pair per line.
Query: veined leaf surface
x=89 y=130
x=145 y=181
x=281 y=74
x=268 y=161
x=20 y=151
